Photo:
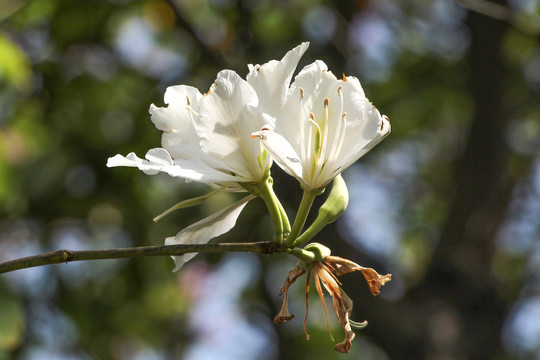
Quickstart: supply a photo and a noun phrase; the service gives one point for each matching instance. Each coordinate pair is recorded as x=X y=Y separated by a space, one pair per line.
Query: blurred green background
x=449 y=203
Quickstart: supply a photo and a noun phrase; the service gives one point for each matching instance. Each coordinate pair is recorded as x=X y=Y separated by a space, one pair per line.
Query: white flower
x=325 y=125
x=204 y=137
x=207 y=138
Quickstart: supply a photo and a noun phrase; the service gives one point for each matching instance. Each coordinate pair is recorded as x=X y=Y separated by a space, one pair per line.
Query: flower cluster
x=228 y=138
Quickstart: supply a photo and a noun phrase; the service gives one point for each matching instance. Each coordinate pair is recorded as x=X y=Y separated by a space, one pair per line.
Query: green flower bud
x=310 y=253
x=320 y=251
x=334 y=206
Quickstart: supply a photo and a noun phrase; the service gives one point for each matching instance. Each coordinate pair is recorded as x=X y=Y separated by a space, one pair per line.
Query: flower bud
x=320 y=251
x=333 y=207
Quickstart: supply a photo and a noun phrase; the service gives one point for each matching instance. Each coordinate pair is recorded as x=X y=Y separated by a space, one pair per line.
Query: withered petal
x=374 y=280
x=284 y=315
x=340 y=266
x=345 y=345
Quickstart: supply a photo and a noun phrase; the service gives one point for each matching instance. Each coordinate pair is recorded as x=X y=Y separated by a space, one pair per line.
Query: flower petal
x=340 y=266
x=281 y=151
x=183 y=102
x=271 y=80
x=341 y=303
x=206 y=229
x=227 y=117
x=284 y=315
x=366 y=127
x=159 y=160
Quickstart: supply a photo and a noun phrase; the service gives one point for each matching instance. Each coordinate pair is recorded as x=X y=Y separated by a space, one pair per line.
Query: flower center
x=326 y=137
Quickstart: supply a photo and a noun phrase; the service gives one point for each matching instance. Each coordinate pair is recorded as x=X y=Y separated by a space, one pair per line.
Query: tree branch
x=60 y=256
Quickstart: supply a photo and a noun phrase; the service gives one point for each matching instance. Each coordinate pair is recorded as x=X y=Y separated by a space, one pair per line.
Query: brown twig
x=60 y=256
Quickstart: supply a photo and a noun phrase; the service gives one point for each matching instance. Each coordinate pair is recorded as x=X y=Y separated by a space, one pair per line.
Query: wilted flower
x=327 y=270
x=325 y=125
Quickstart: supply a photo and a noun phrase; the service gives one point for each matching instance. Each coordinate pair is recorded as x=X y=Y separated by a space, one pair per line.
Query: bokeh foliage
x=449 y=203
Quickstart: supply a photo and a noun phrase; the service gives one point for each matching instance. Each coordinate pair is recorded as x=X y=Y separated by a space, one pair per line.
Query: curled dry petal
x=284 y=315
x=340 y=266
x=341 y=303
x=374 y=280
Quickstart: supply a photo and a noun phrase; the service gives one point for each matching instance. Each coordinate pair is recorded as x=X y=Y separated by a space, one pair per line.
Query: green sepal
x=186 y=203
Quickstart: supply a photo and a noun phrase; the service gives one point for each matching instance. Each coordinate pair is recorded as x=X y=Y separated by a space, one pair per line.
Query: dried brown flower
x=327 y=271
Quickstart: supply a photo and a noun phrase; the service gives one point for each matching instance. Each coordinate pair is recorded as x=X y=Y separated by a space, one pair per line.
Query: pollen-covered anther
x=344 y=116
x=344 y=78
x=339 y=90
x=326 y=101
x=301 y=93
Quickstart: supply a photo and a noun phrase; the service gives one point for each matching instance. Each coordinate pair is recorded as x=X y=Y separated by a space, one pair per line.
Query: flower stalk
x=282 y=228
x=330 y=211
x=303 y=211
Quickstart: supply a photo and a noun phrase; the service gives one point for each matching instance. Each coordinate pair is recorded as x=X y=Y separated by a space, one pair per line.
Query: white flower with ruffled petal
x=325 y=125
x=207 y=138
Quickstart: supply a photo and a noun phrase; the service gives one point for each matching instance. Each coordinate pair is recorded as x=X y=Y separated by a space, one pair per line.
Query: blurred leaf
x=11 y=322
x=14 y=65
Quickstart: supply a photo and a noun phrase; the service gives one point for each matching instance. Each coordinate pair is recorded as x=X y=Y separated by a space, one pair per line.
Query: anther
x=326 y=100
x=344 y=116
x=301 y=93
x=339 y=90
x=188 y=101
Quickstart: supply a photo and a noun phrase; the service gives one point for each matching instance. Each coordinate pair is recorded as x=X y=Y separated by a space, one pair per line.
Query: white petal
x=177 y=116
x=271 y=80
x=370 y=140
x=309 y=78
x=206 y=229
x=282 y=152
x=159 y=160
x=227 y=117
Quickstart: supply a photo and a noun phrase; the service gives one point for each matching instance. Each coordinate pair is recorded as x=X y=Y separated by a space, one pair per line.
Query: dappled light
x=448 y=203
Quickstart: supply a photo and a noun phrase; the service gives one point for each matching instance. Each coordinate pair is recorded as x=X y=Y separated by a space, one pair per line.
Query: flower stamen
x=339 y=133
x=190 y=109
x=307 y=303
x=317 y=138
x=319 y=290
x=324 y=136
x=302 y=126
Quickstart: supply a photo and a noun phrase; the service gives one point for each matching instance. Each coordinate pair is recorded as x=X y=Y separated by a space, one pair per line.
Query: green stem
x=301 y=215
x=284 y=218
x=61 y=256
x=279 y=218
